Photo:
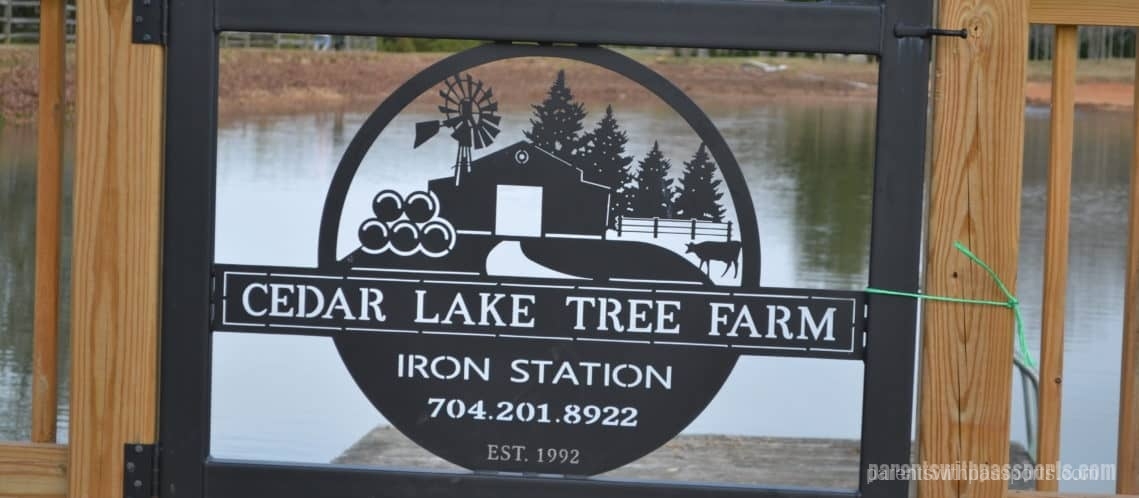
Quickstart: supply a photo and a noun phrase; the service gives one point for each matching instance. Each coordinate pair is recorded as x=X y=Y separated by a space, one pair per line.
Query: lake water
x=809 y=169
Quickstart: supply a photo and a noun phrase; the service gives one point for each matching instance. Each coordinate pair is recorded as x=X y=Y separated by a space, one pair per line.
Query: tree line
x=1096 y=42
x=642 y=191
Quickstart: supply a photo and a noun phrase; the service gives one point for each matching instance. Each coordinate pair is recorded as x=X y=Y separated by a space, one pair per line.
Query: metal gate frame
x=891 y=30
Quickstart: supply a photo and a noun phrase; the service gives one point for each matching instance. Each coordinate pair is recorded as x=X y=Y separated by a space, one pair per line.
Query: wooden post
x=1127 y=475
x=115 y=281
x=49 y=161
x=1056 y=249
x=975 y=179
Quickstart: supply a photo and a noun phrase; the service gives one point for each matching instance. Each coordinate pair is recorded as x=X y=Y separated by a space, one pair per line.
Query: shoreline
x=266 y=83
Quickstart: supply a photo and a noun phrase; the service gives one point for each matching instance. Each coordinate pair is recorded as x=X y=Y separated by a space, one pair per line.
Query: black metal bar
x=895 y=248
x=237 y=479
x=187 y=250
x=742 y=24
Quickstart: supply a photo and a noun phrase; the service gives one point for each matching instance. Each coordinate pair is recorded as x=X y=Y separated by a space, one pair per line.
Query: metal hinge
x=149 y=19
x=140 y=470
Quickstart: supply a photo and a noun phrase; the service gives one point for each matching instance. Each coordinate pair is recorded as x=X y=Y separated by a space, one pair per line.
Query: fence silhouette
x=20 y=21
x=287 y=40
x=667 y=226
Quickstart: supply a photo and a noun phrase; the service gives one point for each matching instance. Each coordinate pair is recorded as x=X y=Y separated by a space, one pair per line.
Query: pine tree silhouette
x=557 y=121
x=699 y=192
x=603 y=161
x=652 y=196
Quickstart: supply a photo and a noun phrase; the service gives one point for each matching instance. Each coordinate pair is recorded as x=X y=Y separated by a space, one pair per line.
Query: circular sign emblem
x=546 y=299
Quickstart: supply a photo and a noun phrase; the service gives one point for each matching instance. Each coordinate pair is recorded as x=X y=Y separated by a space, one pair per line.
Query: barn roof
x=534 y=157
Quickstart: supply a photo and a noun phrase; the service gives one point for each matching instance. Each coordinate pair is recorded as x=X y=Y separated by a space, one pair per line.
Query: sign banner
x=771 y=321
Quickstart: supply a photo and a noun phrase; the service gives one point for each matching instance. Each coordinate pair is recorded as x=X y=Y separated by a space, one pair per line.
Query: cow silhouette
x=727 y=252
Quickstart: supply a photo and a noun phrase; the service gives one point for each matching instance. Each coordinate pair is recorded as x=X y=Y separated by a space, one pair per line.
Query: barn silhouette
x=524 y=191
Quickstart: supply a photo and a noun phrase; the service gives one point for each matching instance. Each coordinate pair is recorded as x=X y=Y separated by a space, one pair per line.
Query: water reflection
x=17 y=276
x=830 y=152
x=17 y=203
x=1098 y=252
x=809 y=171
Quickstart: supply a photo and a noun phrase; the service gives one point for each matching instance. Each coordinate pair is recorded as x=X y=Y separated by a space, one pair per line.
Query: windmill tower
x=469 y=109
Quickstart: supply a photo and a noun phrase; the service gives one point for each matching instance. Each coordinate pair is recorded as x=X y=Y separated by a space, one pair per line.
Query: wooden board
x=1085 y=12
x=978 y=147
x=49 y=167
x=32 y=470
x=1063 y=118
x=1127 y=472
x=118 y=193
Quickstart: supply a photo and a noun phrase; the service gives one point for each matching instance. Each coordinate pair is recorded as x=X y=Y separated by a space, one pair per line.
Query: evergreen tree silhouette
x=603 y=161
x=699 y=191
x=557 y=121
x=652 y=196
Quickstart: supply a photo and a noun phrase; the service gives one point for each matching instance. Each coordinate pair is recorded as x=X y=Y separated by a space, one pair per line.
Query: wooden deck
x=801 y=462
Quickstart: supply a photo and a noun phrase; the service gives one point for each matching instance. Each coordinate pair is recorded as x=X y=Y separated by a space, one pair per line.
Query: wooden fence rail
x=668 y=226
x=1068 y=16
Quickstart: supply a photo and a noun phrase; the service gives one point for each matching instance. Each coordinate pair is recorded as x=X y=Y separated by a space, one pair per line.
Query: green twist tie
x=1012 y=303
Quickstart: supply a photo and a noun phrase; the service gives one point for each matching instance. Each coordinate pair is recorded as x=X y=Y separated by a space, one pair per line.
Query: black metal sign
x=523 y=308
x=501 y=319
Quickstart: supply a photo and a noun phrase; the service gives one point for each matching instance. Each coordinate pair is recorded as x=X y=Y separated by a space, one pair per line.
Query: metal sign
x=539 y=306
x=501 y=319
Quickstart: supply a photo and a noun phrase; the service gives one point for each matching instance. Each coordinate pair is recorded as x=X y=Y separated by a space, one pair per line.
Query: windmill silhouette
x=469 y=109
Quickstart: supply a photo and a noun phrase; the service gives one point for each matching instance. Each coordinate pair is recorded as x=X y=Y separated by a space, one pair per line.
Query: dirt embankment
x=1103 y=84
x=19 y=78
x=261 y=82
x=254 y=81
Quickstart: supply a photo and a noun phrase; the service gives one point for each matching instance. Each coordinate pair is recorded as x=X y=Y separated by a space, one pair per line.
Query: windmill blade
x=477 y=92
x=470 y=87
x=490 y=118
x=491 y=129
x=460 y=89
x=489 y=126
x=424 y=130
x=452 y=82
x=486 y=96
x=491 y=107
x=447 y=110
x=462 y=134
x=479 y=142
x=448 y=98
x=483 y=137
x=453 y=122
